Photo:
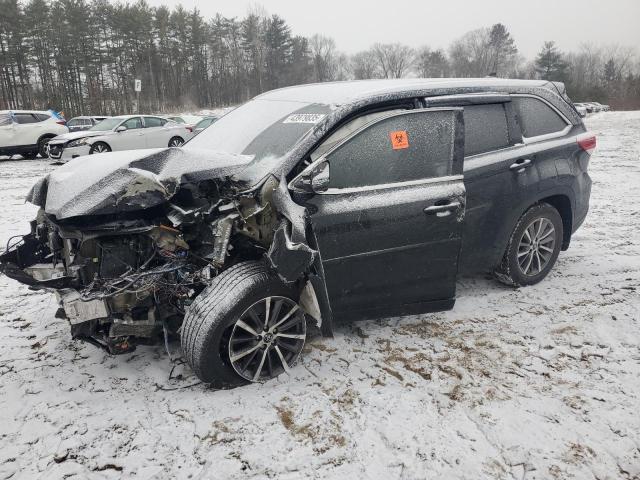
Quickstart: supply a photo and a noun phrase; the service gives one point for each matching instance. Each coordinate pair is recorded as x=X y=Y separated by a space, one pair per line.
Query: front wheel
x=533 y=248
x=247 y=326
x=176 y=142
x=99 y=147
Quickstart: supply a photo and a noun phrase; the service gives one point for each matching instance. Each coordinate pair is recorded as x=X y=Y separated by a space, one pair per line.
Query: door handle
x=434 y=209
x=520 y=164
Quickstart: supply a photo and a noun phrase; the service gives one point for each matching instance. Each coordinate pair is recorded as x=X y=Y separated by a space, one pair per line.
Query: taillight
x=61 y=122
x=587 y=142
x=190 y=129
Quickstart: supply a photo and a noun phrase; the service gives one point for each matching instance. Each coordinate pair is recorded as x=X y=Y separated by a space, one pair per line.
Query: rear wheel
x=176 y=142
x=533 y=248
x=247 y=326
x=99 y=147
x=42 y=146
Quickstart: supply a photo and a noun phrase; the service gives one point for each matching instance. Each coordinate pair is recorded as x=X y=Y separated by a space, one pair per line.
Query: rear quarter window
x=485 y=128
x=23 y=118
x=537 y=118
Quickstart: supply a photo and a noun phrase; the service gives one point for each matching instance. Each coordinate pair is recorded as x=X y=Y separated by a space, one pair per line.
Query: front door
x=131 y=138
x=389 y=226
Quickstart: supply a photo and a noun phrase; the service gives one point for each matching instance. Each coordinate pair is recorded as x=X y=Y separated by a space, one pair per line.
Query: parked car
x=600 y=107
x=27 y=132
x=581 y=109
x=77 y=124
x=127 y=132
x=338 y=200
x=188 y=121
x=202 y=124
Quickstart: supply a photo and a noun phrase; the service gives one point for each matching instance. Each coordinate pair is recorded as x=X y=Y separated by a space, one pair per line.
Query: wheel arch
x=562 y=203
x=45 y=136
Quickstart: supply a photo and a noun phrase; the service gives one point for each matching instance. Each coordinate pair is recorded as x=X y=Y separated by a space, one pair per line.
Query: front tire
x=533 y=248
x=245 y=327
x=99 y=147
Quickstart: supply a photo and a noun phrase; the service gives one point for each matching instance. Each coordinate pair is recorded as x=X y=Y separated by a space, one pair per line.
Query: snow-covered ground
x=537 y=383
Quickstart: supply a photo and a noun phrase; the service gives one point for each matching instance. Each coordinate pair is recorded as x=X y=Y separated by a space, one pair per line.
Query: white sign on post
x=137 y=85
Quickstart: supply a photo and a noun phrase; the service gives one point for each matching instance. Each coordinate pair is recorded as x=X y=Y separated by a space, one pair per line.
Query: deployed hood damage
x=125 y=181
x=127 y=240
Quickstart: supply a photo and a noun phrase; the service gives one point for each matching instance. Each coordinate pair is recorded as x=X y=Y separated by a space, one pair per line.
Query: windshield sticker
x=304 y=118
x=399 y=140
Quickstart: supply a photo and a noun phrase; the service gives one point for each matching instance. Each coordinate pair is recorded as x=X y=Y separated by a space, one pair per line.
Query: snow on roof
x=338 y=93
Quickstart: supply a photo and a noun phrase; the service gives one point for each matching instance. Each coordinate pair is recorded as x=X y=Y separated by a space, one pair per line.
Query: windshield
x=107 y=124
x=262 y=128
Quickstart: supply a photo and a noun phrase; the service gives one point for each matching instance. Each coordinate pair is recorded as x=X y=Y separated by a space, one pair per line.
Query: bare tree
x=323 y=52
x=394 y=59
x=365 y=65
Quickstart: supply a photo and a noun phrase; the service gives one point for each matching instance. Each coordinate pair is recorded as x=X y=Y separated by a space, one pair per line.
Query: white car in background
x=26 y=132
x=581 y=109
x=127 y=132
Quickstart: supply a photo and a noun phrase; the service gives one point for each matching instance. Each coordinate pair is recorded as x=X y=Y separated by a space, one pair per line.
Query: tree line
x=82 y=56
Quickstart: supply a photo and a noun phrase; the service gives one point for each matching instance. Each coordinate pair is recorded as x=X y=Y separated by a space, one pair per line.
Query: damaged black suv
x=308 y=204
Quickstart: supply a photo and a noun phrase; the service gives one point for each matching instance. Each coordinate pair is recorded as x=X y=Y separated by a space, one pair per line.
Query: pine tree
x=549 y=63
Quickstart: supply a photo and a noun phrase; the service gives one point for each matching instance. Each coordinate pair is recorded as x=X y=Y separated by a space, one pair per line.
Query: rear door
x=156 y=133
x=27 y=130
x=389 y=226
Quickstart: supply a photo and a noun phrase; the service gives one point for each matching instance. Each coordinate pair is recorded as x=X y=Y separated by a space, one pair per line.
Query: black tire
x=42 y=146
x=210 y=318
x=176 y=142
x=99 y=147
x=31 y=155
x=512 y=269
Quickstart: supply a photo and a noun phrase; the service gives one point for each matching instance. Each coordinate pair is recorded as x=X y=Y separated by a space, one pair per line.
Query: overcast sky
x=356 y=24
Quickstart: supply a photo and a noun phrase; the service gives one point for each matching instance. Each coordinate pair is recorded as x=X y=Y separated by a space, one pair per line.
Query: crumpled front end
x=127 y=278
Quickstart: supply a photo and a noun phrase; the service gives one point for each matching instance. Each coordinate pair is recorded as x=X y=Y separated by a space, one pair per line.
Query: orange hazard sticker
x=399 y=140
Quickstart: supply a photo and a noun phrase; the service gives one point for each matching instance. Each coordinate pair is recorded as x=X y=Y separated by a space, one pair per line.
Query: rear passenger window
x=150 y=122
x=42 y=117
x=485 y=128
x=25 y=118
x=405 y=147
x=536 y=117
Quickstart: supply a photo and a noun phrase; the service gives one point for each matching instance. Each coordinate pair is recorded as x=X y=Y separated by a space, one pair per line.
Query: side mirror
x=314 y=179
x=121 y=128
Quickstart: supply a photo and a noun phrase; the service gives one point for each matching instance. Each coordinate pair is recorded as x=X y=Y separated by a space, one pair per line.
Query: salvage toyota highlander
x=307 y=204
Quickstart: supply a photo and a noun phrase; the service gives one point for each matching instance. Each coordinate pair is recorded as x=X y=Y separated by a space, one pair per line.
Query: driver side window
x=402 y=147
x=133 y=123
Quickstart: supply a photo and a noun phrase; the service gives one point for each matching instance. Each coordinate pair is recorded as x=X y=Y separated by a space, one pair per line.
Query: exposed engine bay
x=125 y=275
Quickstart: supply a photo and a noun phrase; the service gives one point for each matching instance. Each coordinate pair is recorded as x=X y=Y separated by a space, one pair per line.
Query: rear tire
x=533 y=248
x=213 y=319
x=99 y=147
x=176 y=142
x=42 y=146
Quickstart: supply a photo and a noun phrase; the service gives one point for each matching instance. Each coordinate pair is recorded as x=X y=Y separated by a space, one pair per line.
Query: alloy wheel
x=267 y=339
x=536 y=246
x=176 y=142
x=99 y=148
